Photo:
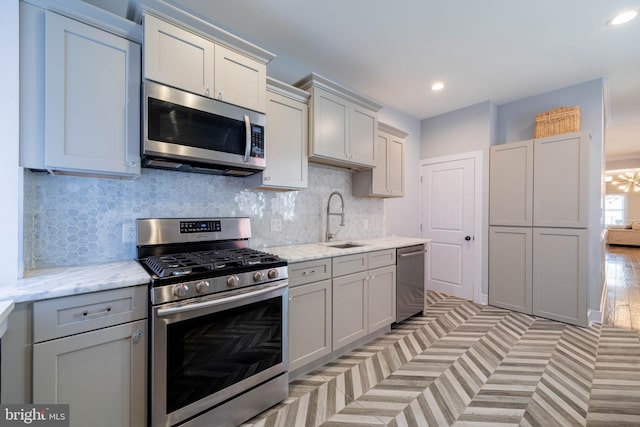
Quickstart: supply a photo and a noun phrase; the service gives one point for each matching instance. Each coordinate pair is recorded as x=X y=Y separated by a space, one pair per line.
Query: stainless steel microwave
x=192 y=133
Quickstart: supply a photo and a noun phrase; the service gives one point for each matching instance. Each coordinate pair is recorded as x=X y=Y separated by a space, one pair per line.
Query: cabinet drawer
x=382 y=258
x=348 y=264
x=309 y=271
x=81 y=313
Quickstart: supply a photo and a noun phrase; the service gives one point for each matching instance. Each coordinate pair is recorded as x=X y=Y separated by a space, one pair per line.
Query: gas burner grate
x=182 y=264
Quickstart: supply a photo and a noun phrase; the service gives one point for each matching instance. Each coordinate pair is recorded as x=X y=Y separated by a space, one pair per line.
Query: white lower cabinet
x=350 y=308
x=334 y=302
x=100 y=374
x=309 y=311
x=560 y=265
x=381 y=289
x=362 y=304
x=309 y=323
x=540 y=271
x=90 y=352
x=364 y=300
x=510 y=264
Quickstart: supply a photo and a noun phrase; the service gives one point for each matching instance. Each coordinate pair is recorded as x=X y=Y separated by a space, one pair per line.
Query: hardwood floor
x=622 y=308
x=464 y=364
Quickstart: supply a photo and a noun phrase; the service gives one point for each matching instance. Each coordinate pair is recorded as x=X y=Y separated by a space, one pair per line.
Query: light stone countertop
x=6 y=307
x=81 y=279
x=73 y=280
x=311 y=251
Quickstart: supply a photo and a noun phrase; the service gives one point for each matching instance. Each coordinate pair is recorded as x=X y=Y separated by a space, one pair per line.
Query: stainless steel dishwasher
x=409 y=281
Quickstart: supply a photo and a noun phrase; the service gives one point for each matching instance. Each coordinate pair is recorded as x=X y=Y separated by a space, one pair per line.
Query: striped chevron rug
x=470 y=365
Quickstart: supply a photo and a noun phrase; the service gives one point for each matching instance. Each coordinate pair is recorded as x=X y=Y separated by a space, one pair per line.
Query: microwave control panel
x=257 y=141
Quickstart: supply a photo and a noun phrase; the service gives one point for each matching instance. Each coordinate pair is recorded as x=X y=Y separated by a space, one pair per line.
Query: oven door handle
x=196 y=306
x=247 y=147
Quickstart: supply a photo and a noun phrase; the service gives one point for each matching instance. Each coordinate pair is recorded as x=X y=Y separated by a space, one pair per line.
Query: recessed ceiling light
x=437 y=86
x=623 y=17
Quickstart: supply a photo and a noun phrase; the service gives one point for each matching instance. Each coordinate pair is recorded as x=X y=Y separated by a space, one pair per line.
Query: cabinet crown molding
x=94 y=16
x=287 y=90
x=383 y=127
x=338 y=89
x=171 y=11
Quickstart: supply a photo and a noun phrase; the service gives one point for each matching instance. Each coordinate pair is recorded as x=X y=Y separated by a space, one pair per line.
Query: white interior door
x=448 y=220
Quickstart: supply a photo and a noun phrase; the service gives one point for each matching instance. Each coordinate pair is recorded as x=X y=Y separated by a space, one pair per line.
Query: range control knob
x=233 y=281
x=180 y=291
x=202 y=286
x=273 y=274
x=258 y=276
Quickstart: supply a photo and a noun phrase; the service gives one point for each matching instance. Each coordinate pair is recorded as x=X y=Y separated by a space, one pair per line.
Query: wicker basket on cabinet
x=557 y=121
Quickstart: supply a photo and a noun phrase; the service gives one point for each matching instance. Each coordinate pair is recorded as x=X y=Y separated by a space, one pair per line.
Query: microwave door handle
x=247 y=148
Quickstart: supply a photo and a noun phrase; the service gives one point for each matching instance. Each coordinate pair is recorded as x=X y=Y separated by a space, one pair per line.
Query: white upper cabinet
x=511 y=184
x=542 y=182
x=286 y=139
x=363 y=124
x=239 y=79
x=561 y=181
x=89 y=83
x=343 y=124
x=186 y=60
x=177 y=57
x=330 y=125
x=387 y=178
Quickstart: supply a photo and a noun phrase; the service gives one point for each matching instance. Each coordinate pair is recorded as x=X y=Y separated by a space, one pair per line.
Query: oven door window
x=176 y=124
x=207 y=354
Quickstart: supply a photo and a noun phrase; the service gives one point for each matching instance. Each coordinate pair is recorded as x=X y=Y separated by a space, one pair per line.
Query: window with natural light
x=614 y=209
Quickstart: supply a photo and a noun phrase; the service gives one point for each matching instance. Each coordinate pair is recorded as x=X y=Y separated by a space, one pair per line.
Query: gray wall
x=469 y=129
x=10 y=173
x=516 y=121
x=633 y=163
x=402 y=215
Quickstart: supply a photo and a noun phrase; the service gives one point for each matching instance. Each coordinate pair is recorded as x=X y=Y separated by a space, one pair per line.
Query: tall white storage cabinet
x=538 y=237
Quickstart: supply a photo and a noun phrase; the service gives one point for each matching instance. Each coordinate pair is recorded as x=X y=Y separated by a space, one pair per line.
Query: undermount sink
x=345 y=245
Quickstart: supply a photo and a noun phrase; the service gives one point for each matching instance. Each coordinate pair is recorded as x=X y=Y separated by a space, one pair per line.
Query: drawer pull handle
x=88 y=315
x=305 y=273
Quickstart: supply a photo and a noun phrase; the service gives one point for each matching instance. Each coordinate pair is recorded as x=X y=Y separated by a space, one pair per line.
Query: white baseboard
x=483 y=299
x=594 y=316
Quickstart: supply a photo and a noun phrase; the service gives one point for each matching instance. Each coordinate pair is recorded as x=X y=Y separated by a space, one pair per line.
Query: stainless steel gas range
x=219 y=346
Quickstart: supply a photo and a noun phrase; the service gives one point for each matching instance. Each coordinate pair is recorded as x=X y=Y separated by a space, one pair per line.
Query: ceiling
x=498 y=50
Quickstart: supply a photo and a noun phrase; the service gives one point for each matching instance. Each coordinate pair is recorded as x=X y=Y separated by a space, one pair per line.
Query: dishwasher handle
x=412 y=254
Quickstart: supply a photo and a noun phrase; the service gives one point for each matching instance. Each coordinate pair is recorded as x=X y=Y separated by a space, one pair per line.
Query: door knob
x=467 y=238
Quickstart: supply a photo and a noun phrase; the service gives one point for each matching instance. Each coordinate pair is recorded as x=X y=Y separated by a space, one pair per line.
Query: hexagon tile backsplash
x=73 y=220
